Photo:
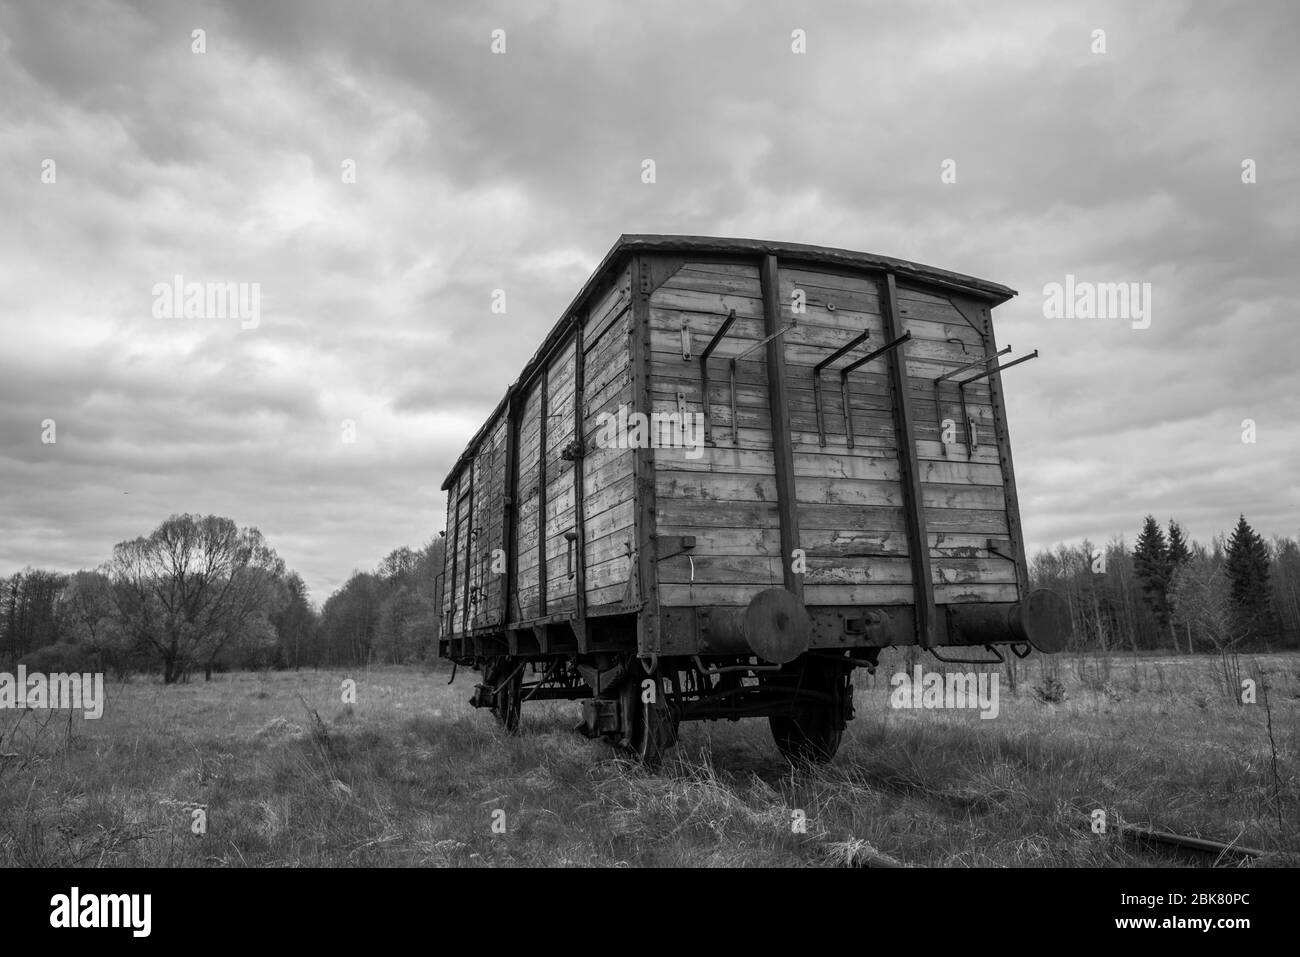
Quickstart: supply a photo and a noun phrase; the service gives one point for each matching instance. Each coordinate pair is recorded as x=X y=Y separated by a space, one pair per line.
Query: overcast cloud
x=476 y=171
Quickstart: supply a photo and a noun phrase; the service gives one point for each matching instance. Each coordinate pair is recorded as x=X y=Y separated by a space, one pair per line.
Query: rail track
x=860 y=854
x=1152 y=839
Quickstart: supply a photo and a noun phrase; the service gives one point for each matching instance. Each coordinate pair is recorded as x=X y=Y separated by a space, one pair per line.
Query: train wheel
x=507 y=703
x=807 y=739
x=650 y=727
x=812 y=734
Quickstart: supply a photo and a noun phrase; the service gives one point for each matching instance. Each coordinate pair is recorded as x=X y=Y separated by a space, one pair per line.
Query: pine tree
x=1247 y=564
x=1151 y=565
x=1178 y=550
x=1179 y=556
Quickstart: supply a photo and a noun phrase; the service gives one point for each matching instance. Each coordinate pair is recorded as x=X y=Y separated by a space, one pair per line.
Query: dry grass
x=411 y=775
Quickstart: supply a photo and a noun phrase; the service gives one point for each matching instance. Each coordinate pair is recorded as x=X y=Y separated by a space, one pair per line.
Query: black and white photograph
x=694 y=437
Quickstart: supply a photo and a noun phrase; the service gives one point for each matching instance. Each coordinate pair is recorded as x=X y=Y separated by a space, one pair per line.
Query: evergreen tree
x=1179 y=557
x=1247 y=562
x=1151 y=565
x=1178 y=550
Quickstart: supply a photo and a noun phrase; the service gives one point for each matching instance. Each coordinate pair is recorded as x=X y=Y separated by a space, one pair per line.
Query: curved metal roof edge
x=996 y=293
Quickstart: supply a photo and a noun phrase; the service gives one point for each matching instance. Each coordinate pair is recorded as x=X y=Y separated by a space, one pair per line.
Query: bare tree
x=1201 y=597
x=193 y=586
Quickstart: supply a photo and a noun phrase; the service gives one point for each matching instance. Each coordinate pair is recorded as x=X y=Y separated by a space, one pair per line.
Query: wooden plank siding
x=546 y=475
x=702 y=496
x=528 y=497
x=561 y=513
x=451 y=557
x=608 y=484
x=849 y=501
x=488 y=525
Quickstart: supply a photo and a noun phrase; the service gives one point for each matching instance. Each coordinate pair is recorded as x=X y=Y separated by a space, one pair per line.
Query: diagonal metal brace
x=1015 y=362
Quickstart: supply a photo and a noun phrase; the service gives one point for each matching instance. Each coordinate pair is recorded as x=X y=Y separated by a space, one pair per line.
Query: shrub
x=1051 y=691
x=60 y=658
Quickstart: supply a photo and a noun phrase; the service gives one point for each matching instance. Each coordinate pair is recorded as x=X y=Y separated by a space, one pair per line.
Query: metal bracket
x=735 y=427
x=971 y=438
x=991 y=545
x=571 y=538
x=817 y=380
x=989 y=372
x=735 y=434
x=687 y=543
x=686 y=340
x=997 y=659
x=764 y=341
x=938 y=403
x=704 y=378
x=723 y=669
x=844 y=379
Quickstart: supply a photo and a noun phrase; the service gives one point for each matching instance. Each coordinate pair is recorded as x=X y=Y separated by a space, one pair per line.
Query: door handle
x=571 y=538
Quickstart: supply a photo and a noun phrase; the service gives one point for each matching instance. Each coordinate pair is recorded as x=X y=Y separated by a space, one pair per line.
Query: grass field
x=411 y=775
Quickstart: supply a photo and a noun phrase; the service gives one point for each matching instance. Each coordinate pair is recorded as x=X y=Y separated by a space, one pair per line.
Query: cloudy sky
x=476 y=171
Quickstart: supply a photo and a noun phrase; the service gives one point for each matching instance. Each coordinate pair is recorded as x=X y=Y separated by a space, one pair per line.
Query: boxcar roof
x=992 y=292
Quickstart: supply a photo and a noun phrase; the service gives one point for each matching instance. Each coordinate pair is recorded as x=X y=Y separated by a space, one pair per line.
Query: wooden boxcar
x=732 y=473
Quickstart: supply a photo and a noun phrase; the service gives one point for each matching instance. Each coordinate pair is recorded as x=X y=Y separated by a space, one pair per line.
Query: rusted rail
x=1200 y=845
x=853 y=853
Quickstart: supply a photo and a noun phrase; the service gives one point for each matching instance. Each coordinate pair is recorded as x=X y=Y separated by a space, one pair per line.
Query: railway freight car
x=732 y=473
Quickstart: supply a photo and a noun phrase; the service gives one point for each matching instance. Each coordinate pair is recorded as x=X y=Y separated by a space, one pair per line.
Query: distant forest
x=202 y=595
x=1239 y=592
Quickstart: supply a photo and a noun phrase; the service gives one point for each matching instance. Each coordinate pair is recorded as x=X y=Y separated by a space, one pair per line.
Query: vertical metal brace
x=817 y=381
x=704 y=378
x=735 y=431
x=844 y=379
x=968 y=421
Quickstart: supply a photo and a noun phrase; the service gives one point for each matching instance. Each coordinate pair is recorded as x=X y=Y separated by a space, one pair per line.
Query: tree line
x=1238 y=592
x=199 y=593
